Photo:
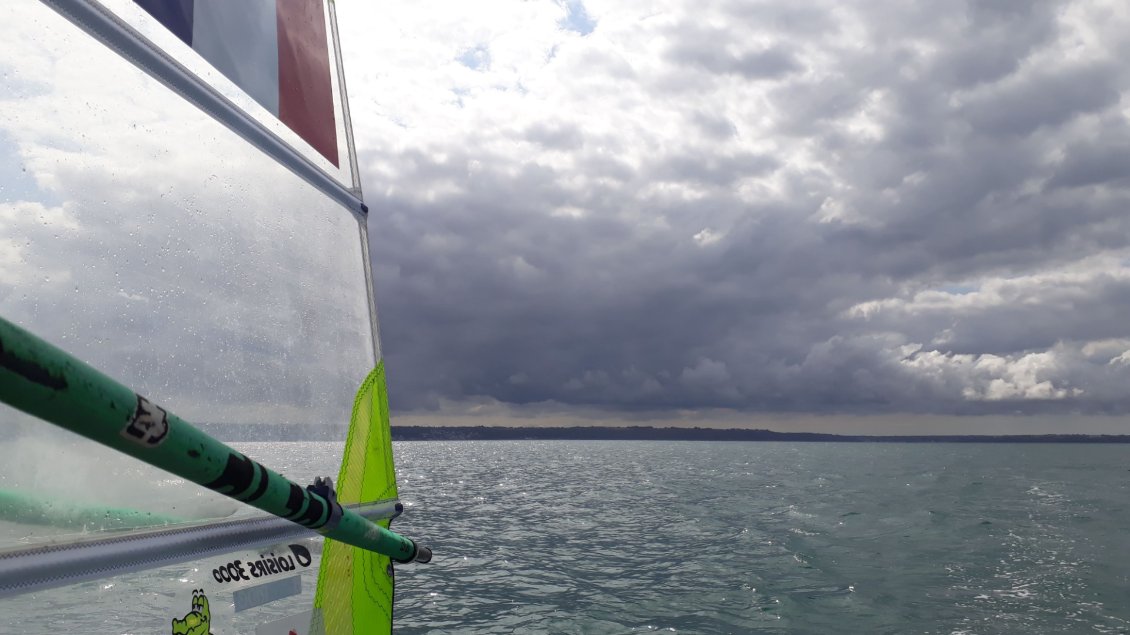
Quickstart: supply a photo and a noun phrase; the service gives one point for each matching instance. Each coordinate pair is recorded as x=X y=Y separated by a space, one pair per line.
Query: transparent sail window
x=148 y=240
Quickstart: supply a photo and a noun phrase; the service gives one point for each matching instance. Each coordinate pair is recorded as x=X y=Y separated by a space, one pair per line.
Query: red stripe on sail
x=306 y=103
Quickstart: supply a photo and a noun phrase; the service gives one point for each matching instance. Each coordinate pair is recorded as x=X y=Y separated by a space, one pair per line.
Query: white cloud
x=708 y=237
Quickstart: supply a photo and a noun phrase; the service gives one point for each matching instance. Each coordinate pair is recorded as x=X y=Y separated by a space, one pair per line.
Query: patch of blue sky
x=576 y=18
x=459 y=93
x=476 y=58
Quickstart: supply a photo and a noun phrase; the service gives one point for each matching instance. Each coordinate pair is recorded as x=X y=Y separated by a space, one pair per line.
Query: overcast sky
x=749 y=208
x=856 y=216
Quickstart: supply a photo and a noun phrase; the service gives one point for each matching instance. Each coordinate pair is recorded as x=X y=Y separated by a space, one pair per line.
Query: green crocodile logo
x=199 y=619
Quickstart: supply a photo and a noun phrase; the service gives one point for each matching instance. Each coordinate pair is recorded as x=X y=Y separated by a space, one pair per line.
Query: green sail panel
x=355 y=587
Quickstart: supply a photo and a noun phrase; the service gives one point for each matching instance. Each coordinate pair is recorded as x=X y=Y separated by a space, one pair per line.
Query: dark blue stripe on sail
x=176 y=15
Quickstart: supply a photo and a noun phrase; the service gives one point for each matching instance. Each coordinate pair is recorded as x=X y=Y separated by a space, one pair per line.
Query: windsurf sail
x=182 y=210
x=355 y=586
x=46 y=382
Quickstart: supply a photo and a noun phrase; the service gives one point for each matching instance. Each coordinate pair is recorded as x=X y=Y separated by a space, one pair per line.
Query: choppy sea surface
x=620 y=537
x=694 y=537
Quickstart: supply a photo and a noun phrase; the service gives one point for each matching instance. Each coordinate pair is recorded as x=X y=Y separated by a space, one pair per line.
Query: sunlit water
x=621 y=537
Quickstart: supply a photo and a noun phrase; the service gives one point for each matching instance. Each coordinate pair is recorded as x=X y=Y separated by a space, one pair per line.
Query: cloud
x=1042 y=98
x=759 y=207
x=704 y=52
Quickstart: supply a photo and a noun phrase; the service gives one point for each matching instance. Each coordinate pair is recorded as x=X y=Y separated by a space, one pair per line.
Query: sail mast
x=347 y=119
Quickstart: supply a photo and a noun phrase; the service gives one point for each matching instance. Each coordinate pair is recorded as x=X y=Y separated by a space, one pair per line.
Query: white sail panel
x=192 y=249
x=152 y=242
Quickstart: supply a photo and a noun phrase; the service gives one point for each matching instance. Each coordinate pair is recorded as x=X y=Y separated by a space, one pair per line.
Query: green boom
x=49 y=383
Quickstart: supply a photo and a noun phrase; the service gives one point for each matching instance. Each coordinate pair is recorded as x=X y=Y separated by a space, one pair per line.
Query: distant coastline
x=295 y=432
x=649 y=433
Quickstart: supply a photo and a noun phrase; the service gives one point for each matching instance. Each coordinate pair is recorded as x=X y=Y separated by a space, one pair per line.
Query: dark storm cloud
x=1094 y=162
x=1044 y=99
x=712 y=169
x=714 y=125
x=879 y=208
x=708 y=50
x=781 y=17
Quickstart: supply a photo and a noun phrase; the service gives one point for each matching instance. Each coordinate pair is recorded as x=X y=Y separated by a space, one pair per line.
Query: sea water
x=627 y=537
x=619 y=537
